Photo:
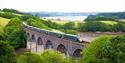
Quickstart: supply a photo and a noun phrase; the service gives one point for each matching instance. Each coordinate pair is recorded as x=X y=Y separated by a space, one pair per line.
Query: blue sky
x=65 y=5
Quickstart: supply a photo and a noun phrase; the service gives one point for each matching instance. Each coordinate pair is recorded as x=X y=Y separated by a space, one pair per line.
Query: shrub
x=30 y=58
x=105 y=50
x=7 y=54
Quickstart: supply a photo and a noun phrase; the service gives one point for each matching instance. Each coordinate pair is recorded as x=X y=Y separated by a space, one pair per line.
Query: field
x=3 y=23
x=76 y=22
x=109 y=22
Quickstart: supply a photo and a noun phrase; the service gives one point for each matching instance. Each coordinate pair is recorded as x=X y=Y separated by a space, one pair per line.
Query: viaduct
x=38 y=41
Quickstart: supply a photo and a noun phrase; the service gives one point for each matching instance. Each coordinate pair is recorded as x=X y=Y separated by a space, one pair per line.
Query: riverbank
x=89 y=36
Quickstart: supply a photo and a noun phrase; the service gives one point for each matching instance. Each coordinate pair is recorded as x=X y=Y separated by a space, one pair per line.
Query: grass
x=109 y=22
x=123 y=20
x=3 y=23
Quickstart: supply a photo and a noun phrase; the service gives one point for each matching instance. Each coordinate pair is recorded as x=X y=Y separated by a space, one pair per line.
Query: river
x=70 y=18
x=89 y=36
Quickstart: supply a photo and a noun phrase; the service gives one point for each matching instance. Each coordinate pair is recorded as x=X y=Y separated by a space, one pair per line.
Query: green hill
x=3 y=23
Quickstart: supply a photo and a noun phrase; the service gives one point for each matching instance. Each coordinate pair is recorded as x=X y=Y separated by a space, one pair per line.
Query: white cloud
x=65 y=5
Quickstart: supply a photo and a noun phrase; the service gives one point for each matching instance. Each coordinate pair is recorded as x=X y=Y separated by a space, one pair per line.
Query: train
x=54 y=34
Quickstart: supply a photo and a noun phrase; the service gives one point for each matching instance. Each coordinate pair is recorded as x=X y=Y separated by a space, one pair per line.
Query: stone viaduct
x=39 y=41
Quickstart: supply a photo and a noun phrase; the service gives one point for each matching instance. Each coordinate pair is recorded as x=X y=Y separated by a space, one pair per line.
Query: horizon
x=65 y=5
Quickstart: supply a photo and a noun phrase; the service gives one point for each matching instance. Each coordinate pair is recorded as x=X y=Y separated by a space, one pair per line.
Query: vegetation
x=15 y=33
x=12 y=11
x=102 y=50
x=106 y=16
x=8 y=15
x=7 y=54
x=49 y=25
x=46 y=57
x=30 y=58
x=3 y=23
x=105 y=50
x=101 y=26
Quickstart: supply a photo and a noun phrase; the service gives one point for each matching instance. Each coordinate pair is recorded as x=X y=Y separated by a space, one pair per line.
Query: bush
x=54 y=57
x=30 y=58
x=15 y=33
x=7 y=54
x=46 y=57
x=105 y=50
x=95 y=26
x=69 y=25
x=8 y=15
x=74 y=32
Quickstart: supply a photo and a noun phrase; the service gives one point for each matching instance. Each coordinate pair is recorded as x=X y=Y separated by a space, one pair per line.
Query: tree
x=12 y=11
x=105 y=50
x=54 y=57
x=7 y=54
x=46 y=57
x=69 y=25
x=15 y=33
x=8 y=15
x=30 y=58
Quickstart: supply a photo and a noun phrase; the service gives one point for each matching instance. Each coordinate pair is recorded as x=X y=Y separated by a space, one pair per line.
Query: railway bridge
x=39 y=40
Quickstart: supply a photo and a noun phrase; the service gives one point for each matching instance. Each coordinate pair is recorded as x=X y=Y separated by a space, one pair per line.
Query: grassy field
x=123 y=20
x=76 y=22
x=109 y=22
x=3 y=23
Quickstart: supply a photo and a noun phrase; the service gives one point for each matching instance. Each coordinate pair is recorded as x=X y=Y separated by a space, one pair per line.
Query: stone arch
x=77 y=53
x=48 y=45
x=39 y=41
x=62 y=49
x=33 y=37
x=28 y=34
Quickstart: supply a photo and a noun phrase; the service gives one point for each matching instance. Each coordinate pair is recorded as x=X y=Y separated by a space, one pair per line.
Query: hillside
x=3 y=23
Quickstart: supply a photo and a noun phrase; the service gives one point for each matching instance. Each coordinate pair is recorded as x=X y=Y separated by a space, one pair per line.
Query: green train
x=55 y=34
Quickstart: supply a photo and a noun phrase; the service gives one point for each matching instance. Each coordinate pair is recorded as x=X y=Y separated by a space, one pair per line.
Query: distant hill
x=106 y=16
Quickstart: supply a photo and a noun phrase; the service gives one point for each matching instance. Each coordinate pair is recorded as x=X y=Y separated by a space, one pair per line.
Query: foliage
x=7 y=54
x=37 y=23
x=46 y=57
x=94 y=26
x=12 y=11
x=3 y=36
x=98 y=18
x=30 y=58
x=106 y=16
x=3 y=23
x=119 y=27
x=25 y=17
x=69 y=25
x=74 y=32
x=105 y=50
x=100 y=26
x=8 y=15
x=54 y=57
x=15 y=33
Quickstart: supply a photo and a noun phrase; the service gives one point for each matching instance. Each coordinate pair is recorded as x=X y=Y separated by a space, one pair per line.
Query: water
x=71 y=18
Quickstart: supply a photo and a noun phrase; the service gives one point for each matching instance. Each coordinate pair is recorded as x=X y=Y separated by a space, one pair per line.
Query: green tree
x=54 y=57
x=119 y=27
x=12 y=11
x=105 y=50
x=30 y=58
x=15 y=33
x=46 y=57
x=69 y=25
x=7 y=54
x=8 y=15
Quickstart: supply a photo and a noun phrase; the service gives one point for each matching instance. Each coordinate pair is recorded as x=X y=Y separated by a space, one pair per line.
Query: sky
x=65 y=5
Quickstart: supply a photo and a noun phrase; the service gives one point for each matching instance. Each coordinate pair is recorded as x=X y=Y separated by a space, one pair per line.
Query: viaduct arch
x=38 y=41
